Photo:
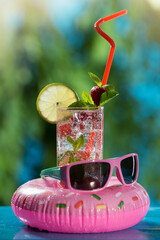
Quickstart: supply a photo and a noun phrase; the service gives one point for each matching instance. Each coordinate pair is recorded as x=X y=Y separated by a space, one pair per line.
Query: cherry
x=96 y=93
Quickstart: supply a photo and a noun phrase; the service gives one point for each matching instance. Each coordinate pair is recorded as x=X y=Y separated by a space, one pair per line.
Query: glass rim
x=80 y=108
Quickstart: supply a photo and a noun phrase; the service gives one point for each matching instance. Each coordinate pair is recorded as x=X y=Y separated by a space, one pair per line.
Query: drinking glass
x=79 y=134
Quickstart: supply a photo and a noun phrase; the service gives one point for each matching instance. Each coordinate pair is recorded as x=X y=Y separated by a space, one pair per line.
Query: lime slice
x=53 y=96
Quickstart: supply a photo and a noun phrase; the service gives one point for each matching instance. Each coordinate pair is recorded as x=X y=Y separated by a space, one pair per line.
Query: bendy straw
x=112 y=43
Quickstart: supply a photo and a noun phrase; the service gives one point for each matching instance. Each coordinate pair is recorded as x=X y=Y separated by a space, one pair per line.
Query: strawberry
x=96 y=93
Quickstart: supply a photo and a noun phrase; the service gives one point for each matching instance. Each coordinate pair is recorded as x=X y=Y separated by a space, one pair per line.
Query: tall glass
x=79 y=134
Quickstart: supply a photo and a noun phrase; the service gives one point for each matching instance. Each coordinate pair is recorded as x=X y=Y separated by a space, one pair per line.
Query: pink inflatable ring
x=46 y=204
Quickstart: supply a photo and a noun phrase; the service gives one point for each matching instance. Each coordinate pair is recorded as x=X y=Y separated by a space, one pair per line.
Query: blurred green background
x=54 y=41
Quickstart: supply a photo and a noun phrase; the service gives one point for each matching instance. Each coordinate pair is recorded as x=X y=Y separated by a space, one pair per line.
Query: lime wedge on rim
x=53 y=96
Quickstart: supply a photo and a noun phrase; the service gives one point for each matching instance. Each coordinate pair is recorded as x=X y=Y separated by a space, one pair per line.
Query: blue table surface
x=12 y=228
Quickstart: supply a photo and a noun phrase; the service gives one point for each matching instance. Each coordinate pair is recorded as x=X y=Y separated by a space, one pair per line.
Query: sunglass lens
x=89 y=176
x=129 y=169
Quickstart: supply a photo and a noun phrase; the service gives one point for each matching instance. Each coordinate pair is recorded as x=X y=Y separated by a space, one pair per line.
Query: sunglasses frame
x=63 y=172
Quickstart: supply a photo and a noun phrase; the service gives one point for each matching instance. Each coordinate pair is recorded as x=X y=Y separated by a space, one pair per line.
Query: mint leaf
x=109 y=87
x=71 y=159
x=87 y=97
x=70 y=140
x=81 y=104
x=96 y=79
x=78 y=143
x=107 y=96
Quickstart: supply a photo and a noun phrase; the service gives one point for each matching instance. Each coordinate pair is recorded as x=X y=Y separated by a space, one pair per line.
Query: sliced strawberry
x=65 y=130
x=82 y=116
x=82 y=126
x=90 y=144
x=83 y=155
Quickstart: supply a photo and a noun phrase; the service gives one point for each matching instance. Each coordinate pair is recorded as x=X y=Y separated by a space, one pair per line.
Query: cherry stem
x=112 y=43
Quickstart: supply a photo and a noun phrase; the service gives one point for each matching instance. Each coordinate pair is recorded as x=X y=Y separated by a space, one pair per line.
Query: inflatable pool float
x=47 y=204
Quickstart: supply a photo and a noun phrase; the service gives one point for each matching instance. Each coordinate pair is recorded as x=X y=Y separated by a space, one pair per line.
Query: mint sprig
x=76 y=145
x=87 y=99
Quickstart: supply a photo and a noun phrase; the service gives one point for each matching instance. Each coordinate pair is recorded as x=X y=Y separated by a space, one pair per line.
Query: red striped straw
x=112 y=43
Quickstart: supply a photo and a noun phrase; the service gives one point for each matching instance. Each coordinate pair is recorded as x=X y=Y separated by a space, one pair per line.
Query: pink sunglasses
x=95 y=175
